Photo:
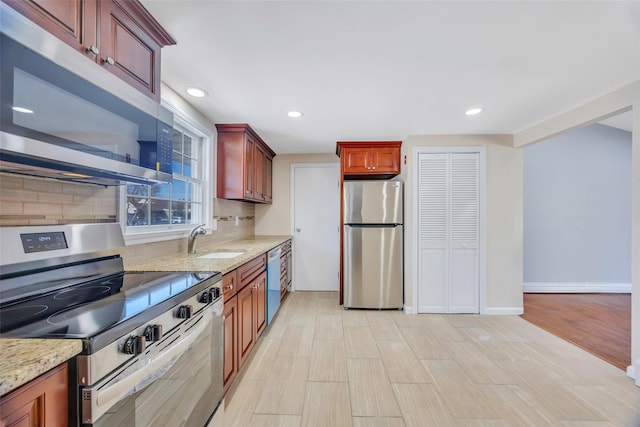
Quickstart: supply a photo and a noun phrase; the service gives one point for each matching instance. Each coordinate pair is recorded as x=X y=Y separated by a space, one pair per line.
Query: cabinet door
x=230 y=341
x=259 y=173
x=268 y=179
x=72 y=21
x=229 y=284
x=127 y=50
x=385 y=160
x=249 y=167
x=42 y=402
x=356 y=160
x=246 y=322
x=260 y=303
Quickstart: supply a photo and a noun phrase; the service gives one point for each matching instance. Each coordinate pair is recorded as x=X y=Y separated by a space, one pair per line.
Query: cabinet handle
x=374 y=168
x=229 y=287
x=109 y=60
x=93 y=49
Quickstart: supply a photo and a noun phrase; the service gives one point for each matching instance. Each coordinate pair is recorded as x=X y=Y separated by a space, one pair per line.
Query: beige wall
x=275 y=219
x=503 y=218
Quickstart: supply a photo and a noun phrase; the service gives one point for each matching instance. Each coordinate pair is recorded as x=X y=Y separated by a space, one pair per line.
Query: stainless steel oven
x=176 y=382
x=152 y=342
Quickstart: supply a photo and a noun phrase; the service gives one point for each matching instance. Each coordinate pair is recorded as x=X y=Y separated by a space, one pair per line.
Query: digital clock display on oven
x=40 y=242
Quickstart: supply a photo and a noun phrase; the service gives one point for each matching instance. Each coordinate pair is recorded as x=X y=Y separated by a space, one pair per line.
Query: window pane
x=179 y=190
x=187 y=167
x=160 y=190
x=177 y=140
x=176 y=165
x=138 y=190
x=178 y=213
x=137 y=211
x=188 y=146
x=159 y=212
x=189 y=214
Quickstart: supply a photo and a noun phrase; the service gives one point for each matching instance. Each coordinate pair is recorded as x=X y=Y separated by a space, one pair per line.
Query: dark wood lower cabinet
x=245 y=314
x=246 y=333
x=252 y=315
x=230 y=341
x=260 y=304
x=41 y=402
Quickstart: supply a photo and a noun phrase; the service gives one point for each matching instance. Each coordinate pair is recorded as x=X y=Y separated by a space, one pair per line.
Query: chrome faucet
x=197 y=231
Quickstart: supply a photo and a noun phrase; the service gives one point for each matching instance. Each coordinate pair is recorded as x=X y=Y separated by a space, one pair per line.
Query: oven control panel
x=41 y=242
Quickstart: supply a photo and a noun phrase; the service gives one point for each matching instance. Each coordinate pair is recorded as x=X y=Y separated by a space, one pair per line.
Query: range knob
x=184 y=312
x=134 y=345
x=153 y=333
x=206 y=297
x=215 y=292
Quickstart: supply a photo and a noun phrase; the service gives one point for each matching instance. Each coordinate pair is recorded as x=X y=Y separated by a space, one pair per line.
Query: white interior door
x=449 y=225
x=316 y=226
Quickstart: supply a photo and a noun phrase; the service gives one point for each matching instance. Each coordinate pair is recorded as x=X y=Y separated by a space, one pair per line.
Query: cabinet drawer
x=229 y=284
x=251 y=269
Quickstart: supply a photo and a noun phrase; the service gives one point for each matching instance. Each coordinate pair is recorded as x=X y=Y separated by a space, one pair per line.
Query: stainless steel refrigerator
x=372 y=251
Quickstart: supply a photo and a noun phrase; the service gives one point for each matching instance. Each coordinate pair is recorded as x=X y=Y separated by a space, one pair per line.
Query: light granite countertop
x=23 y=359
x=251 y=248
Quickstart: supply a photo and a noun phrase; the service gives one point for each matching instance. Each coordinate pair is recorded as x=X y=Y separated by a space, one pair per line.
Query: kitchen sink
x=220 y=255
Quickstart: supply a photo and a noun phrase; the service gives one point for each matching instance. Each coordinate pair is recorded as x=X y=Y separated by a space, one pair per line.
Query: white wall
x=618 y=101
x=503 y=218
x=577 y=212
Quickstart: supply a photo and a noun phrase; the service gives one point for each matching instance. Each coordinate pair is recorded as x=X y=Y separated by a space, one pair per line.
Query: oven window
x=176 y=203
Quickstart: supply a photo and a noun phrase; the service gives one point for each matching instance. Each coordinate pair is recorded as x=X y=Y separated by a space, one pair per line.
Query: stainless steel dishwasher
x=273 y=282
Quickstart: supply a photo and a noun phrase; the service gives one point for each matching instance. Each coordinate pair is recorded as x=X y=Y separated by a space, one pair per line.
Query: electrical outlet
x=237 y=220
x=214 y=224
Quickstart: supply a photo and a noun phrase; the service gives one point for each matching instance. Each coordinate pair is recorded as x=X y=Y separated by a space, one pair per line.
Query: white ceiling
x=362 y=70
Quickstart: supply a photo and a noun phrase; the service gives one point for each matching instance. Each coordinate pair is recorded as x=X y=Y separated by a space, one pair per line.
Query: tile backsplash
x=37 y=201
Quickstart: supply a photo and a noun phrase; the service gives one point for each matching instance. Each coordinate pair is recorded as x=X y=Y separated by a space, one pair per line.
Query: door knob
x=298 y=230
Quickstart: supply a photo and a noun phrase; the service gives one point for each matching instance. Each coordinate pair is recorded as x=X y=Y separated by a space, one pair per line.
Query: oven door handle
x=98 y=399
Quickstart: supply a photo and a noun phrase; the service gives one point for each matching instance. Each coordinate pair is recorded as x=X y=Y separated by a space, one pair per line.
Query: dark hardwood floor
x=597 y=323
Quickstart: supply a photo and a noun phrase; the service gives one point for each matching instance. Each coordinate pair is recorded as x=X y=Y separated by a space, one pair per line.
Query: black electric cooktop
x=101 y=307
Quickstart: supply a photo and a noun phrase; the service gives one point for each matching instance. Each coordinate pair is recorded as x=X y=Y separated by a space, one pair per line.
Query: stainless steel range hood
x=29 y=157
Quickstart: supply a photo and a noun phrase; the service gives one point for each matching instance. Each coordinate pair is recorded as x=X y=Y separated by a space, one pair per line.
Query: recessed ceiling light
x=22 y=110
x=473 y=111
x=197 y=92
x=294 y=114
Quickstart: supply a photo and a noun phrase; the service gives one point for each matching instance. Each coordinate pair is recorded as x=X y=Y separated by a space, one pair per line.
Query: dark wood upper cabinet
x=73 y=21
x=245 y=164
x=119 y=35
x=369 y=159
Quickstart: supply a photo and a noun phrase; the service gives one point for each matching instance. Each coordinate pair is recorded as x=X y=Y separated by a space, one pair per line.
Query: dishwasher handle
x=274 y=253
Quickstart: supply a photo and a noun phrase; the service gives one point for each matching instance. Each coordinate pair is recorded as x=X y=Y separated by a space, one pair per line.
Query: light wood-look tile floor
x=320 y=365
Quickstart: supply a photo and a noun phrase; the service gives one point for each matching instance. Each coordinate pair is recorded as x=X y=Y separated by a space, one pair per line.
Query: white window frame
x=149 y=234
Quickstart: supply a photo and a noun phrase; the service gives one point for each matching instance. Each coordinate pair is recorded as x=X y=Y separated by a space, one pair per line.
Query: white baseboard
x=503 y=310
x=488 y=310
x=633 y=371
x=409 y=309
x=551 y=287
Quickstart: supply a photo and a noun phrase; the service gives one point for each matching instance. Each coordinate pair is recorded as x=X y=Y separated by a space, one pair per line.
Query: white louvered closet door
x=448 y=224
